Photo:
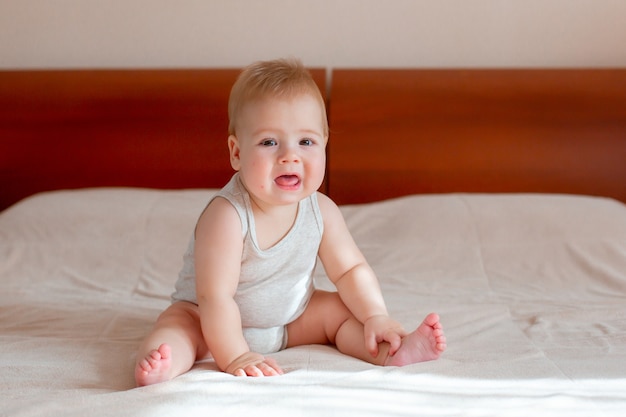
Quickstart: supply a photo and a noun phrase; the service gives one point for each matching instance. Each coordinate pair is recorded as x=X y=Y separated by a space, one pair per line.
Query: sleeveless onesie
x=276 y=284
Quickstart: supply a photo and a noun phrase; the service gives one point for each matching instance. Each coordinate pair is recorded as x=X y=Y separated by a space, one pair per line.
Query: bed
x=494 y=197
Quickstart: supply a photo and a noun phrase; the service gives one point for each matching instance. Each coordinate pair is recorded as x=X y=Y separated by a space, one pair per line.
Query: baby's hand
x=254 y=364
x=380 y=329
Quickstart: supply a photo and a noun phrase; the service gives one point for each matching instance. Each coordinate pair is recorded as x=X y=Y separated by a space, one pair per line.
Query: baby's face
x=279 y=148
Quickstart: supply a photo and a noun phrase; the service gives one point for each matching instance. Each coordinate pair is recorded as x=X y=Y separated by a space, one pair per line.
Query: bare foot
x=154 y=367
x=426 y=343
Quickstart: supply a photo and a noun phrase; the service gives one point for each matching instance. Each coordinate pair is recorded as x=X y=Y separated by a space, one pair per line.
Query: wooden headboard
x=393 y=132
x=396 y=132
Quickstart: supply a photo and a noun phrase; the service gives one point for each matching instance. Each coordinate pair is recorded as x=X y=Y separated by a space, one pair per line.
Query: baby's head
x=281 y=78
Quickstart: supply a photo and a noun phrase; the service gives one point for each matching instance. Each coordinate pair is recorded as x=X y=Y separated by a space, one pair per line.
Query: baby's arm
x=355 y=280
x=218 y=263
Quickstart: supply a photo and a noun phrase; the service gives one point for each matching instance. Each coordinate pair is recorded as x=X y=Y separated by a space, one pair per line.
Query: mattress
x=530 y=288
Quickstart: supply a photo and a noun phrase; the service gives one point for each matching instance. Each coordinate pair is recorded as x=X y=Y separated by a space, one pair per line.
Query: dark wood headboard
x=397 y=132
x=393 y=132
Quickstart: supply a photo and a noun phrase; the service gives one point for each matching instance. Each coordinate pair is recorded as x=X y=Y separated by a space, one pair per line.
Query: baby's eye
x=306 y=142
x=268 y=142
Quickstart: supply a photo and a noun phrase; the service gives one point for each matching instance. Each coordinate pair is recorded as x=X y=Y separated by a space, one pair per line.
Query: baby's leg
x=328 y=320
x=172 y=346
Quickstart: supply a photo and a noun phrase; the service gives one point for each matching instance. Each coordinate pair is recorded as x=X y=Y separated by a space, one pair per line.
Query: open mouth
x=287 y=181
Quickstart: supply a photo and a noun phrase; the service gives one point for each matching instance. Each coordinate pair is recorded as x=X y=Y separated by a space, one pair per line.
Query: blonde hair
x=281 y=78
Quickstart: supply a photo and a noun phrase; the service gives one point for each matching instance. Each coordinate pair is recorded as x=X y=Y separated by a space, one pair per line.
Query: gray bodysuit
x=276 y=284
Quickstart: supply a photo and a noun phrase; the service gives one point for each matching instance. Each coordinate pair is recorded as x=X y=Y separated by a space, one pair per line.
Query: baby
x=246 y=287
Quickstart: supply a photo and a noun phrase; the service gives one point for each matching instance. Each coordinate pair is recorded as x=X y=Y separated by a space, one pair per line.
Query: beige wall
x=331 y=33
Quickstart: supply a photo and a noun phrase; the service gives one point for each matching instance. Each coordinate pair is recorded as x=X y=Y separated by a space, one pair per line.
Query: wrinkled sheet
x=531 y=290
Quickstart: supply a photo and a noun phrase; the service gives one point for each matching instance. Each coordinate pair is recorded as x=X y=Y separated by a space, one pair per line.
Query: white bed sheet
x=531 y=290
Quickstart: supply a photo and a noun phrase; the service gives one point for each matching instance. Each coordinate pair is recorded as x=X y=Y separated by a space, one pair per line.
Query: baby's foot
x=154 y=367
x=426 y=343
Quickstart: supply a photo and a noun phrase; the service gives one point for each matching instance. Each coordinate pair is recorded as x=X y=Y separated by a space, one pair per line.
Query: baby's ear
x=233 y=148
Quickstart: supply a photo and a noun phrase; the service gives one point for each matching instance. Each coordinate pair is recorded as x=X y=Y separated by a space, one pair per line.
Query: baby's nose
x=289 y=154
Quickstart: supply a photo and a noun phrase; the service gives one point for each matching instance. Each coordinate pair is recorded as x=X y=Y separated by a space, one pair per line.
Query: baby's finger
x=394 y=341
x=267 y=370
x=253 y=370
x=371 y=344
x=274 y=365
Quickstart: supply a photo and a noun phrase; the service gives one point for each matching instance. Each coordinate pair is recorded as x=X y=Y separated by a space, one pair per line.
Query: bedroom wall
x=331 y=33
